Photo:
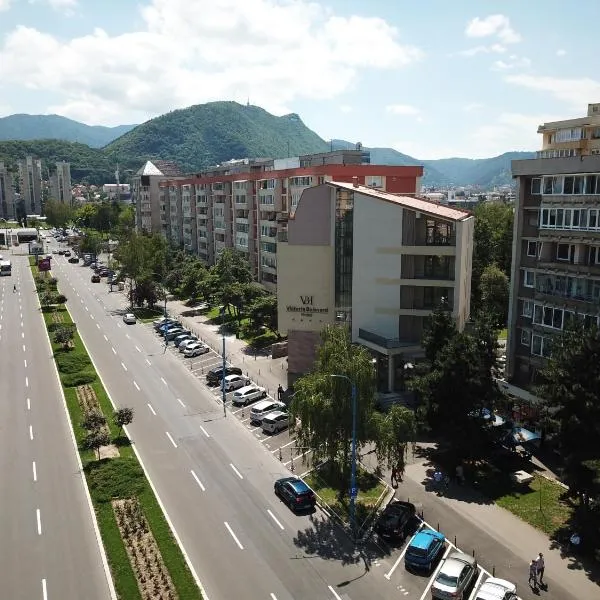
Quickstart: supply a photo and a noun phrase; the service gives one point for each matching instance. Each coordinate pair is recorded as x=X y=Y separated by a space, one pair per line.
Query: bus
x=5 y=267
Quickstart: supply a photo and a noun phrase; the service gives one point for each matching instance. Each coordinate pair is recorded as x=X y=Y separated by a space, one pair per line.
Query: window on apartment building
x=295 y=199
x=553 y=185
x=592 y=218
x=531 y=248
x=242 y=241
x=536 y=185
x=529 y=278
x=268 y=247
x=527 y=308
x=374 y=180
x=594 y=255
x=525 y=337
x=564 y=251
x=267 y=199
x=240 y=199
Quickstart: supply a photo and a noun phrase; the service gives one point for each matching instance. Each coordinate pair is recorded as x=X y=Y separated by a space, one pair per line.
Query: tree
x=263 y=311
x=91 y=243
x=323 y=404
x=494 y=292
x=123 y=417
x=232 y=266
x=94 y=440
x=440 y=329
x=93 y=420
x=64 y=335
x=571 y=387
x=85 y=215
x=57 y=213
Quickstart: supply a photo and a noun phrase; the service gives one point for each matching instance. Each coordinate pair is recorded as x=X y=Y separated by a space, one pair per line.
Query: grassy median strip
x=118 y=477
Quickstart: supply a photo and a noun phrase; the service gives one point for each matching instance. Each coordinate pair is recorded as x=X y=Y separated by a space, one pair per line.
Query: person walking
x=540 y=568
x=14 y=288
x=394 y=477
x=533 y=573
x=280 y=392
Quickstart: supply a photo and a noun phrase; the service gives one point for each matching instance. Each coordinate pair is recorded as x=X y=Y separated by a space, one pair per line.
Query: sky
x=433 y=79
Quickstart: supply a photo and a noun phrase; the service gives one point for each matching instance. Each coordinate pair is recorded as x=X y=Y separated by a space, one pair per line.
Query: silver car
x=497 y=589
x=456 y=574
x=275 y=422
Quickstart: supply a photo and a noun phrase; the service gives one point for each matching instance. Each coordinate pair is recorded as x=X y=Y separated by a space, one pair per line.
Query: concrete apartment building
x=556 y=246
x=30 y=179
x=378 y=262
x=60 y=183
x=7 y=194
x=145 y=192
x=245 y=204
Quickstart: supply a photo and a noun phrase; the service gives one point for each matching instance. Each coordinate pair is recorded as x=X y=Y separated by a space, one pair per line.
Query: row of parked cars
x=271 y=415
x=457 y=573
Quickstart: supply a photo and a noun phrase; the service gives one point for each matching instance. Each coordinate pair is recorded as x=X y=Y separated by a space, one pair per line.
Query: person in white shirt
x=540 y=565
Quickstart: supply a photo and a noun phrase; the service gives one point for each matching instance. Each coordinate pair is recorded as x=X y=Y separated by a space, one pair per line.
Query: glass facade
x=344 y=216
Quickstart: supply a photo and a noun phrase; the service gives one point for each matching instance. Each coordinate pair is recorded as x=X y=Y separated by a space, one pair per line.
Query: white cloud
x=498 y=48
x=346 y=108
x=561 y=52
x=402 y=109
x=513 y=62
x=575 y=92
x=190 y=52
x=472 y=106
x=4 y=5
x=493 y=25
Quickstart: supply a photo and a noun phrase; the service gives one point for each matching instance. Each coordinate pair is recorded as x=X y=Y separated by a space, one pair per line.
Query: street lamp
x=353 y=488
x=224 y=393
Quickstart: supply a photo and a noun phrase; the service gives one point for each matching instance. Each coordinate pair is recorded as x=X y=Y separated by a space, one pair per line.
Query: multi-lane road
x=49 y=546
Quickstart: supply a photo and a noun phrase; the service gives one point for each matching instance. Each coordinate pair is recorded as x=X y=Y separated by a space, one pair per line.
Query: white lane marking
x=273 y=596
x=138 y=348
x=21 y=323
x=171 y=439
x=388 y=575
x=24 y=350
x=151 y=409
x=180 y=402
x=137 y=387
x=113 y=349
x=335 y=594
x=34 y=471
x=123 y=365
x=86 y=308
x=38 y=517
x=204 y=431
x=77 y=294
x=163 y=380
x=118 y=324
x=26 y=381
x=434 y=574
x=236 y=471
x=274 y=519
x=22 y=335
x=127 y=336
x=482 y=572
x=25 y=361
x=105 y=338
x=197 y=480
x=44 y=590
x=97 y=325
x=28 y=404
x=149 y=363
x=235 y=537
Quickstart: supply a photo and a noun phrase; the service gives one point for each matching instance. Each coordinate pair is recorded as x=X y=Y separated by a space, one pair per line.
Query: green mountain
x=46 y=127
x=206 y=134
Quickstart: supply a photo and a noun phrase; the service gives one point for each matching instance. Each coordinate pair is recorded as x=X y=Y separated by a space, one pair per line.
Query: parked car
x=162 y=322
x=423 y=549
x=275 y=421
x=393 y=522
x=129 y=318
x=195 y=349
x=171 y=334
x=495 y=588
x=248 y=394
x=183 y=337
x=295 y=493
x=263 y=408
x=457 y=573
x=95 y=278
x=214 y=376
x=61 y=252
x=166 y=326
x=185 y=343
x=67 y=253
x=74 y=260
x=235 y=382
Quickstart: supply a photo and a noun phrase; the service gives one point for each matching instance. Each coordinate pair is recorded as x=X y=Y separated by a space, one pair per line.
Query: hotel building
x=556 y=244
x=376 y=261
x=246 y=204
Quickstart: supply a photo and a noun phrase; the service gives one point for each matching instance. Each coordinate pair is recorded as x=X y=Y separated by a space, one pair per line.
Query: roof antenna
x=248 y=101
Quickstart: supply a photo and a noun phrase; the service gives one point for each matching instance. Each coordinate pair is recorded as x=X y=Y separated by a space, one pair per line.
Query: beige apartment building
x=7 y=194
x=377 y=262
x=60 y=183
x=556 y=245
x=30 y=179
x=245 y=204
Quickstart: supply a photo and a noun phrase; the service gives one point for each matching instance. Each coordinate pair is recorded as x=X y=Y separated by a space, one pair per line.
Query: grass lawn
x=503 y=334
x=256 y=339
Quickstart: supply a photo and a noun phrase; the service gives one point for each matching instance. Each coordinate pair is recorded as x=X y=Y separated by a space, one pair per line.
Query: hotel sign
x=306 y=306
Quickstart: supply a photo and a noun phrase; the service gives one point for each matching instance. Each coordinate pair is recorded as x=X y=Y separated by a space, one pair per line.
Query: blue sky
x=432 y=79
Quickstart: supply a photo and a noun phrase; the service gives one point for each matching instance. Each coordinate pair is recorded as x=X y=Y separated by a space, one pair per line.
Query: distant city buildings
x=7 y=194
x=60 y=183
x=117 y=191
x=30 y=184
x=556 y=245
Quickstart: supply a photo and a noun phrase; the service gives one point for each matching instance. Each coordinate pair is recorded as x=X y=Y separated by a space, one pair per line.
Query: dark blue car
x=424 y=549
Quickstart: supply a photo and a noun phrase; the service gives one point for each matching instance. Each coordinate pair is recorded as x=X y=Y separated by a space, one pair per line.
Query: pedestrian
x=540 y=568
x=533 y=573
x=14 y=288
x=394 y=475
x=280 y=392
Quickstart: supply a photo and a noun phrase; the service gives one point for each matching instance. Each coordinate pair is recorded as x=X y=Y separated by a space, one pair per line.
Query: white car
x=183 y=346
x=248 y=394
x=275 y=421
x=497 y=589
x=234 y=382
x=195 y=349
x=263 y=408
x=129 y=318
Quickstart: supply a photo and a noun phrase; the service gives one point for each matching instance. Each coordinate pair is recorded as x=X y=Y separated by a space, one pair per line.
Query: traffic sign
x=353 y=492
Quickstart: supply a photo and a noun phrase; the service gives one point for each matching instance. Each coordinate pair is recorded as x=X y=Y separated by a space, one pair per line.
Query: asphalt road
x=49 y=547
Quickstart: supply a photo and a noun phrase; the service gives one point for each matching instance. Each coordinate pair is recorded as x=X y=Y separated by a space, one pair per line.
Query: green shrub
x=60 y=299
x=72 y=362
x=52 y=327
x=115 y=478
x=75 y=379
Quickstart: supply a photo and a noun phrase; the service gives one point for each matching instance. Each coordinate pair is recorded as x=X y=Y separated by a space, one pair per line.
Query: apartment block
x=377 y=262
x=556 y=246
x=246 y=204
x=30 y=179
x=60 y=183
x=7 y=194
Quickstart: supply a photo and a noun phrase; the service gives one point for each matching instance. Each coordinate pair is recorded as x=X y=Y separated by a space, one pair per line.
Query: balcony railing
x=441 y=240
x=381 y=341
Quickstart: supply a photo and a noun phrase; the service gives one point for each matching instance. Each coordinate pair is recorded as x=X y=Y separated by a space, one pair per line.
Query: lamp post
x=353 y=488
x=223 y=392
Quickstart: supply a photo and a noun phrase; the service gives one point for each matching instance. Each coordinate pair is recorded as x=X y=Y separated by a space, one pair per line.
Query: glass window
x=545 y=216
x=590 y=184
x=547 y=185
x=560 y=213
x=547 y=316
x=578 y=184
x=592 y=218
x=546 y=343
x=557 y=185
x=527 y=308
x=536 y=345
x=568 y=189
x=563 y=251
x=568 y=214
x=536 y=185
x=525 y=337
x=552 y=220
x=557 y=318
x=531 y=248
x=529 y=279
x=537 y=314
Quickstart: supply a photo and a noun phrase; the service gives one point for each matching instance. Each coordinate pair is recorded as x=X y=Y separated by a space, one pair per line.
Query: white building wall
x=375 y=281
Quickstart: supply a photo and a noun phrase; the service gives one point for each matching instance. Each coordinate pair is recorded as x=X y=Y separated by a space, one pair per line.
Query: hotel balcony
x=433 y=268
x=383 y=342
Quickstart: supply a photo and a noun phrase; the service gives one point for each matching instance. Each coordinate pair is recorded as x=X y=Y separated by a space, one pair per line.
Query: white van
x=263 y=408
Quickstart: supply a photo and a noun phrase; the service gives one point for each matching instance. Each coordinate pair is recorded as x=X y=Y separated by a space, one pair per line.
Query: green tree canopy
x=57 y=213
x=494 y=292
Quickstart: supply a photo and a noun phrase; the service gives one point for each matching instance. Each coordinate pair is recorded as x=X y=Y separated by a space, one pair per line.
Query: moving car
x=74 y=260
x=67 y=253
x=95 y=278
x=248 y=394
x=263 y=408
x=235 y=382
x=495 y=588
x=275 y=421
x=394 y=520
x=424 y=548
x=456 y=574
x=195 y=349
x=214 y=376
x=129 y=318
x=295 y=493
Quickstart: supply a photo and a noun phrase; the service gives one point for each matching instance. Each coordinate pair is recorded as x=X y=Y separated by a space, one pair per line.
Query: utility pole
x=224 y=361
